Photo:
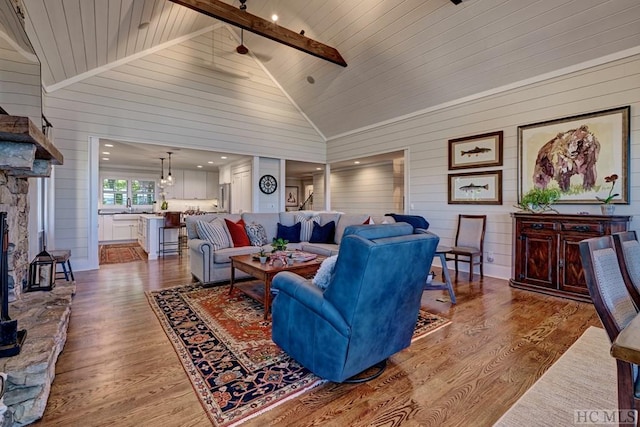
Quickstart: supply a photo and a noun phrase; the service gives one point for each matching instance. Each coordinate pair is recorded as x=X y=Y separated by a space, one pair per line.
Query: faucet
x=129 y=206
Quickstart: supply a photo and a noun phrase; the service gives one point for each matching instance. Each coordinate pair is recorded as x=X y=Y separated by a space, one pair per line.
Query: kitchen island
x=148 y=234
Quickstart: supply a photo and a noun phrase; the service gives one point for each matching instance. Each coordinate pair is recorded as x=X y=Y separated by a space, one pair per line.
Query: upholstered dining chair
x=628 y=249
x=369 y=309
x=469 y=244
x=613 y=304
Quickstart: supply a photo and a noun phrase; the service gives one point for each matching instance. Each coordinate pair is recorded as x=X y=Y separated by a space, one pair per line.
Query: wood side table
x=266 y=272
x=441 y=252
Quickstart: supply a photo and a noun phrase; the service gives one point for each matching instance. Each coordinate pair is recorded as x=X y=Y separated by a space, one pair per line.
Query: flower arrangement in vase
x=607 y=208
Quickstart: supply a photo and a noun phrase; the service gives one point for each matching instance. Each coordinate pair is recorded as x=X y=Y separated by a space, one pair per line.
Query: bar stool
x=62 y=257
x=171 y=222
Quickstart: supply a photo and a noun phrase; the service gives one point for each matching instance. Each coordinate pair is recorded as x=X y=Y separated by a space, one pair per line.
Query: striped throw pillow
x=214 y=232
x=306 y=226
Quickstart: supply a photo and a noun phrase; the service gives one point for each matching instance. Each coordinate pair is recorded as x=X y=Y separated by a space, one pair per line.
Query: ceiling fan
x=211 y=64
x=243 y=50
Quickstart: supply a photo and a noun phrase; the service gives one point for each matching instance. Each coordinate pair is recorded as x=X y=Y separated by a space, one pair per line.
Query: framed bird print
x=476 y=151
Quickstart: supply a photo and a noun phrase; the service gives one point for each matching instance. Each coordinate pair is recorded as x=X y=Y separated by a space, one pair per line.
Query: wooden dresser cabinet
x=546 y=256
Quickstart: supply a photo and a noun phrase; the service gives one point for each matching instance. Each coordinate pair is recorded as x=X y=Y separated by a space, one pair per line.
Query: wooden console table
x=546 y=256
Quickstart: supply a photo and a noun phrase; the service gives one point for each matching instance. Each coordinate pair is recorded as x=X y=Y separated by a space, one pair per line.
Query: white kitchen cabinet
x=176 y=191
x=213 y=185
x=100 y=228
x=106 y=228
x=142 y=232
x=120 y=227
x=148 y=236
x=195 y=185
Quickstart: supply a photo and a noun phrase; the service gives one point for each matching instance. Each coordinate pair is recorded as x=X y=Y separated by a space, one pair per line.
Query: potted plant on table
x=607 y=207
x=539 y=200
x=279 y=244
x=262 y=255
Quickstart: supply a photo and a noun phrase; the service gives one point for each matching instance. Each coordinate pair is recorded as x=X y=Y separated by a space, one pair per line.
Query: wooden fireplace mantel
x=24 y=150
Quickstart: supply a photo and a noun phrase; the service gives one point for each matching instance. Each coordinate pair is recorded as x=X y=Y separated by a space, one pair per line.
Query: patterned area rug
x=121 y=252
x=225 y=347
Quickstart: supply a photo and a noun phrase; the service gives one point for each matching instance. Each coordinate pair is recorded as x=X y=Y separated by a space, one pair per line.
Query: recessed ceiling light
x=105 y=158
x=210 y=162
x=108 y=145
x=223 y=157
x=356 y=162
x=318 y=169
x=199 y=166
x=311 y=80
x=106 y=152
x=143 y=25
x=274 y=17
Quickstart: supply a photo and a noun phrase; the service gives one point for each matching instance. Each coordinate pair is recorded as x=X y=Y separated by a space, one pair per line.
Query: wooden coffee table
x=265 y=273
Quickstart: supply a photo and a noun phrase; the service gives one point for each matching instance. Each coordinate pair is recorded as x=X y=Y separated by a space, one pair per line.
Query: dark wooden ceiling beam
x=255 y=24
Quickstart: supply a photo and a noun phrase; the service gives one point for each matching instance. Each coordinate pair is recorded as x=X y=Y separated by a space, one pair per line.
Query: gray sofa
x=209 y=266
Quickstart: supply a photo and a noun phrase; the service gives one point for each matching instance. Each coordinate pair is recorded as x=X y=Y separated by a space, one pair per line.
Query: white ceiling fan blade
x=229 y=72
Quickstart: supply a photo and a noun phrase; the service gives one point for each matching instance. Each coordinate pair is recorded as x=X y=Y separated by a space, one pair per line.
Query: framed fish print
x=577 y=155
x=476 y=151
x=475 y=188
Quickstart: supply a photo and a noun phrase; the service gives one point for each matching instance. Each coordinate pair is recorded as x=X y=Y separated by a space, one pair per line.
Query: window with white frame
x=143 y=192
x=116 y=191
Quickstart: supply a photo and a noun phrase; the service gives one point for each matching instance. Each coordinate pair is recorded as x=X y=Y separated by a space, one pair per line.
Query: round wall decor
x=268 y=184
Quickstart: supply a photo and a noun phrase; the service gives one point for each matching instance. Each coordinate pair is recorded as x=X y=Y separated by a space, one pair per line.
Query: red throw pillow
x=238 y=233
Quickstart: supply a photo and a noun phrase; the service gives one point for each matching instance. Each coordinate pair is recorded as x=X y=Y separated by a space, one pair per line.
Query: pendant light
x=163 y=182
x=170 y=180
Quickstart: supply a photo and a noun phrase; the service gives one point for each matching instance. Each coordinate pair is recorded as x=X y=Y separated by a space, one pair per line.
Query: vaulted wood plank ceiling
x=403 y=56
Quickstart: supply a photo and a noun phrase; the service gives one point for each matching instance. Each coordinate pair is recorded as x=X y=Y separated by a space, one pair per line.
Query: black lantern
x=42 y=272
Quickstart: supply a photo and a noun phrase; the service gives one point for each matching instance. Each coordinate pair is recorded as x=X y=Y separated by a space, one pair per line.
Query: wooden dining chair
x=628 y=250
x=614 y=306
x=469 y=244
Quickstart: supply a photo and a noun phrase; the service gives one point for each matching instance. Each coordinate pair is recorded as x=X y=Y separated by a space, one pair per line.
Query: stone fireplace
x=14 y=193
x=25 y=152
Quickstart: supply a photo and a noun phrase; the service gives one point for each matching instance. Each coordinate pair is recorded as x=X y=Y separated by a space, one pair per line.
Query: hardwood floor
x=118 y=367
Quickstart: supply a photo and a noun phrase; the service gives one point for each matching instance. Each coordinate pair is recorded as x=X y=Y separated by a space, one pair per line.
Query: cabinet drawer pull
x=537 y=226
x=581 y=228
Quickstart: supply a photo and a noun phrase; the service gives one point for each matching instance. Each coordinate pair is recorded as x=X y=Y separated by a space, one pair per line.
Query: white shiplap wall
x=170 y=98
x=606 y=86
x=20 y=92
x=269 y=202
x=364 y=190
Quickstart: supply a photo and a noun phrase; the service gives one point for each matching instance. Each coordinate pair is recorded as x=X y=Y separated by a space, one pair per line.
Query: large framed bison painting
x=575 y=155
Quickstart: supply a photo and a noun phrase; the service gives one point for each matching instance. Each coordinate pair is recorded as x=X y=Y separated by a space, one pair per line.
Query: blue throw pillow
x=292 y=234
x=415 y=220
x=323 y=233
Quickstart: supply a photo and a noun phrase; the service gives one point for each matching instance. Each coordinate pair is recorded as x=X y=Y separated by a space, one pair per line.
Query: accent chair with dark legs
x=613 y=304
x=469 y=244
x=369 y=310
x=628 y=249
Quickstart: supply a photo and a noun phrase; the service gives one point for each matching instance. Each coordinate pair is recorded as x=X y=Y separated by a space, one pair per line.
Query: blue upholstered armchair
x=369 y=310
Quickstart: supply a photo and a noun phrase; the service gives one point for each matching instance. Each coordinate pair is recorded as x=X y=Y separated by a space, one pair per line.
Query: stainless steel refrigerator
x=224 y=198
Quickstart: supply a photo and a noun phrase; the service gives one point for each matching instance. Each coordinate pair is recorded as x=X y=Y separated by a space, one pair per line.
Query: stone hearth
x=45 y=316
